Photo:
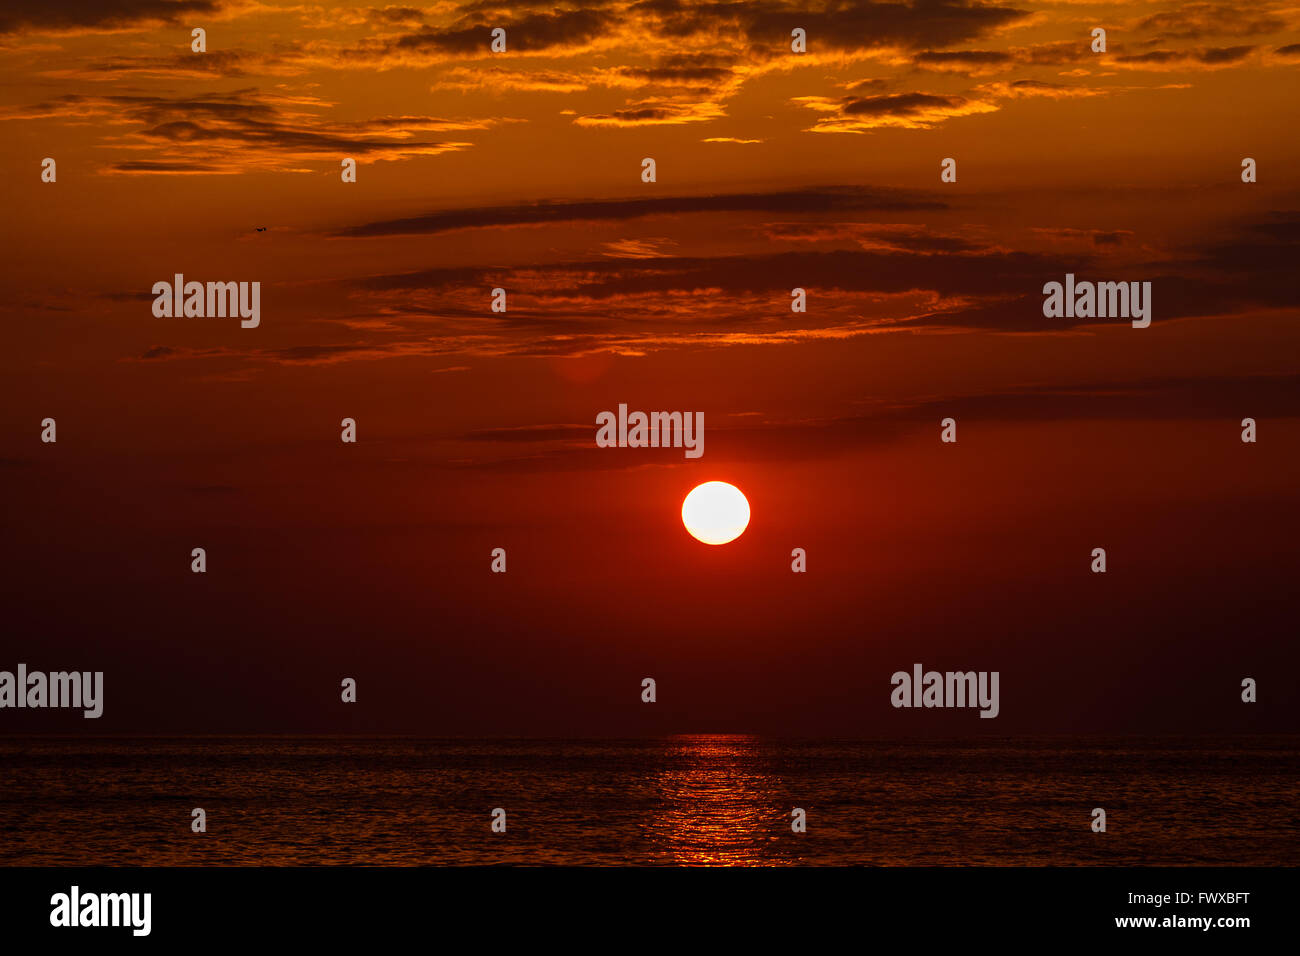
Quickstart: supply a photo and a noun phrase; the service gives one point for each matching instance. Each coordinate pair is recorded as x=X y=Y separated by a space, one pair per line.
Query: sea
x=707 y=800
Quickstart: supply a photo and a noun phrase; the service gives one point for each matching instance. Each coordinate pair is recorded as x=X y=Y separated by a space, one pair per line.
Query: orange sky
x=774 y=170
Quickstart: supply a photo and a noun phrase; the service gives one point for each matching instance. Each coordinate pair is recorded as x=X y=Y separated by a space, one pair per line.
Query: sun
x=715 y=512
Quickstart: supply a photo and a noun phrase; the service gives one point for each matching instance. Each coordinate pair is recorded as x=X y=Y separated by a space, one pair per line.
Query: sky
x=774 y=170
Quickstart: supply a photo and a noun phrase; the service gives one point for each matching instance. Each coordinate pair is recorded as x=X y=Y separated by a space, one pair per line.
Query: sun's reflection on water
x=720 y=805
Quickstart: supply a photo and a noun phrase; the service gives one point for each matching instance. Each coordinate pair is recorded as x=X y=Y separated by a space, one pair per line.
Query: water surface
x=680 y=800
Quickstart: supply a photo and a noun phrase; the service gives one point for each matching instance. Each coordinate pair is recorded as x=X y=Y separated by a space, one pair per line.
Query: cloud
x=860 y=114
x=563 y=447
x=536 y=32
x=1195 y=21
x=394 y=14
x=1022 y=89
x=215 y=63
x=1095 y=237
x=812 y=200
x=686 y=78
x=893 y=277
x=98 y=16
x=1178 y=59
x=899 y=237
x=241 y=130
x=922 y=110
x=503 y=79
x=655 y=113
x=838 y=26
x=964 y=61
x=708 y=77
x=643 y=248
x=675 y=62
x=631 y=306
x=182 y=169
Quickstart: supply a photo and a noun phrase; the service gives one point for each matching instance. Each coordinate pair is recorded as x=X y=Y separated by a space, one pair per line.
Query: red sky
x=476 y=429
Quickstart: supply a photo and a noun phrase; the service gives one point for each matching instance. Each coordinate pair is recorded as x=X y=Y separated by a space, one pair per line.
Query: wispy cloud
x=242 y=129
x=813 y=200
x=98 y=16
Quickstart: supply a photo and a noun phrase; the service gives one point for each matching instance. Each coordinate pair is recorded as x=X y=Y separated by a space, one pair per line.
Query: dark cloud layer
x=564 y=447
x=853 y=24
x=240 y=129
x=967 y=285
x=815 y=200
x=538 y=31
x=74 y=15
x=898 y=104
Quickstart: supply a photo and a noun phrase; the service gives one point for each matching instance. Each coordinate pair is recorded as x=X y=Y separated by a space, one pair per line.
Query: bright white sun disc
x=715 y=512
